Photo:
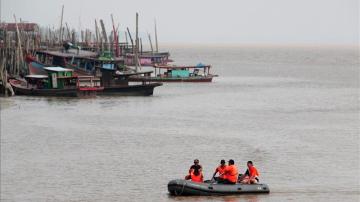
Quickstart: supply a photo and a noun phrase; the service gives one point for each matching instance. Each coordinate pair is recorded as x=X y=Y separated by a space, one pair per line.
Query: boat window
x=59 y=61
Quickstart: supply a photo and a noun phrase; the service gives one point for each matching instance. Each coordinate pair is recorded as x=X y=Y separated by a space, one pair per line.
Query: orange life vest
x=253 y=172
x=221 y=171
x=196 y=178
x=231 y=173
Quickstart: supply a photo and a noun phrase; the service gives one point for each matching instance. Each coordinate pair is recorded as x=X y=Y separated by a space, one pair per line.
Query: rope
x=182 y=190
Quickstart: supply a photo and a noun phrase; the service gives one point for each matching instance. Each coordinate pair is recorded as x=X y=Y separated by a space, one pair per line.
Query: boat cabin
x=61 y=77
x=64 y=58
x=57 y=78
x=148 y=59
x=38 y=81
x=169 y=71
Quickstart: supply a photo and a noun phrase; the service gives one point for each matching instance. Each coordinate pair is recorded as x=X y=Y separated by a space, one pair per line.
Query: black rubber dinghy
x=189 y=188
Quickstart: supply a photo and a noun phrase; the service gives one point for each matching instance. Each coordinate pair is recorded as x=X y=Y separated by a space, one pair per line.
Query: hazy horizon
x=280 y=22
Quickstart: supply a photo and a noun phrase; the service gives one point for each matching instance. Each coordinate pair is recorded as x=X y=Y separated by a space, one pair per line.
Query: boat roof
x=70 y=53
x=145 y=55
x=135 y=73
x=36 y=76
x=58 y=69
x=181 y=66
x=100 y=59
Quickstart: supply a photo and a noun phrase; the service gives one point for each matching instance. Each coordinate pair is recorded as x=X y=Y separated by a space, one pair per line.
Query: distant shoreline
x=258 y=45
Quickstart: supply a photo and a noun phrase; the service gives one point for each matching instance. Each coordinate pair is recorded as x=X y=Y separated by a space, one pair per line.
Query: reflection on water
x=245 y=198
x=294 y=112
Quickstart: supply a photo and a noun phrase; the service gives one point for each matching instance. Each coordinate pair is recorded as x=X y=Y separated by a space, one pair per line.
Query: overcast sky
x=206 y=21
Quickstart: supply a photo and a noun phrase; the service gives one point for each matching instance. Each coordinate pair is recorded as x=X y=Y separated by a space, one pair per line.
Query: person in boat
x=251 y=175
x=220 y=169
x=196 y=175
x=195 y=166
x=230 y=174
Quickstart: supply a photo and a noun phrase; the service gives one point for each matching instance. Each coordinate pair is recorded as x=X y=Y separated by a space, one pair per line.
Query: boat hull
x=177 y=79
x=189 y=188
x=131 y=90
x=69 y=92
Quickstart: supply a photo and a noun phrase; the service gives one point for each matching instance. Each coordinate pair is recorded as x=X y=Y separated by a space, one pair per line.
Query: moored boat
x=59 y=82
x=116 y=82
x=188 y=188
x=108 y=69
x=148 y=58
x=172 y=73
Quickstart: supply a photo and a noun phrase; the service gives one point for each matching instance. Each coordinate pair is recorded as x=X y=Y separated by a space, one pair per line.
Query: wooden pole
x=156 y=38
x=97 y=35
x=151 y=46
x=131 y=40
x=68 y=31
x=73 y=37
x=19 y=48
x=82 y=36
x=126 y=39
x=116 y=38
x=61 y=25
x=141 y=47
x=104 y=33
x=137 y=43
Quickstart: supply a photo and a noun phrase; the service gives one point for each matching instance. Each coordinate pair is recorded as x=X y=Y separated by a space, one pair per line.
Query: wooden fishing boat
x=110 y=70
x=149 y=58
x=116 y=82
x=172 y=73
x=59 y=82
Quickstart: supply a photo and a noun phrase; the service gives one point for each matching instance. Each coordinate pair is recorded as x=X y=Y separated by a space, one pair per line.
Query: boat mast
x=141 y=46
x=156 y=38
x=116 y=38
x=68 y=31
x=104 y=34
x=126 y=40
x=137 y=43
x=151 y=46
x=61 y=24
x=131 y=40
x=97 y=35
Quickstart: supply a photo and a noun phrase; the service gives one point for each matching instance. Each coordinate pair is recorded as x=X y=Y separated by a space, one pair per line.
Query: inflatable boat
x=189 y=188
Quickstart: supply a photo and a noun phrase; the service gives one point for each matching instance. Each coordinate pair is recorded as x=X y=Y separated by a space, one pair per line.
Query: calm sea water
x=294 y=111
